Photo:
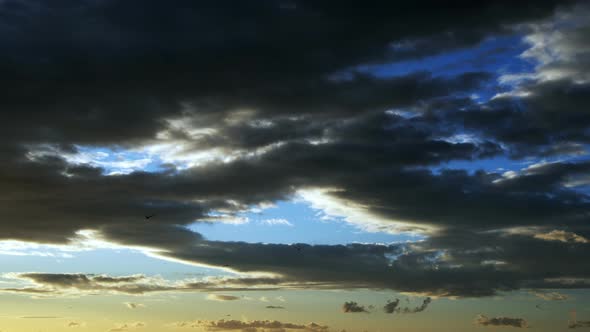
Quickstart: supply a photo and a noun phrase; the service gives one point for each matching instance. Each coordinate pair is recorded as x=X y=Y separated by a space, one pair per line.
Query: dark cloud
x=391 y=306
x=82 y=282
x=254 y=326
x=419 y=308
x=352 y=307
x=57 y=284
x=279 y=89
x=501 y=321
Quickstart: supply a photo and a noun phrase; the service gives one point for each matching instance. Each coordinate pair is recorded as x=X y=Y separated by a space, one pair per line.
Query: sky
x=294 y=166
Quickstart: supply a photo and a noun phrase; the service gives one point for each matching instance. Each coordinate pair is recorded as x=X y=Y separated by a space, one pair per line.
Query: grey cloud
x=55 y=284
x=221 y=297
x=391 y=306
x=133 y=305
x=550 y=296
x=501 y=321
x=419 y=308
x=352 y=307
x=121 y=92
x=579 y=324
x=255 y=325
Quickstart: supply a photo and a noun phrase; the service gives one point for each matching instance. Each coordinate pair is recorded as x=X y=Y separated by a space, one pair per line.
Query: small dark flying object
x=148 y=217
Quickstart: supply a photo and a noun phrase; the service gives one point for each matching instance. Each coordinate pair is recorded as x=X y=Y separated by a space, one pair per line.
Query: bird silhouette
x=151 y=215
x=538 y=306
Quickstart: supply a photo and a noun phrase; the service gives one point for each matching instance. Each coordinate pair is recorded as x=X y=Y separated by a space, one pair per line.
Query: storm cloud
x=246 y=103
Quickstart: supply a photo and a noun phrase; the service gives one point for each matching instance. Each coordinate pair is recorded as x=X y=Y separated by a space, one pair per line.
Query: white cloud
x=276 y=221
x=562 y=236
x=356 y=214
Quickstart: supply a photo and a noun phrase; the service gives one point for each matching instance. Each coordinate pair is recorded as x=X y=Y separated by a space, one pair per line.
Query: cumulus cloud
x=501 y=321
x=352 y=307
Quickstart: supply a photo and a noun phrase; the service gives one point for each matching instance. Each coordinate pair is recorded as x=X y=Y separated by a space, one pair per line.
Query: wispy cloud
x=254 y=326
x=127 y=326
x=221 y=297
x=550 y=296
x=276 y=221
x=562 y=236
x=74 y=324
x=133 y=305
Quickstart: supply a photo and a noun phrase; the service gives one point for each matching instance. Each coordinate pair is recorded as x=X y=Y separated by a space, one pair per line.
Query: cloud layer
x=278 y=102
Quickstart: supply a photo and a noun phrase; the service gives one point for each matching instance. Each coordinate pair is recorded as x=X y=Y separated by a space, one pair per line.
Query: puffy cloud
x=501 y=321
